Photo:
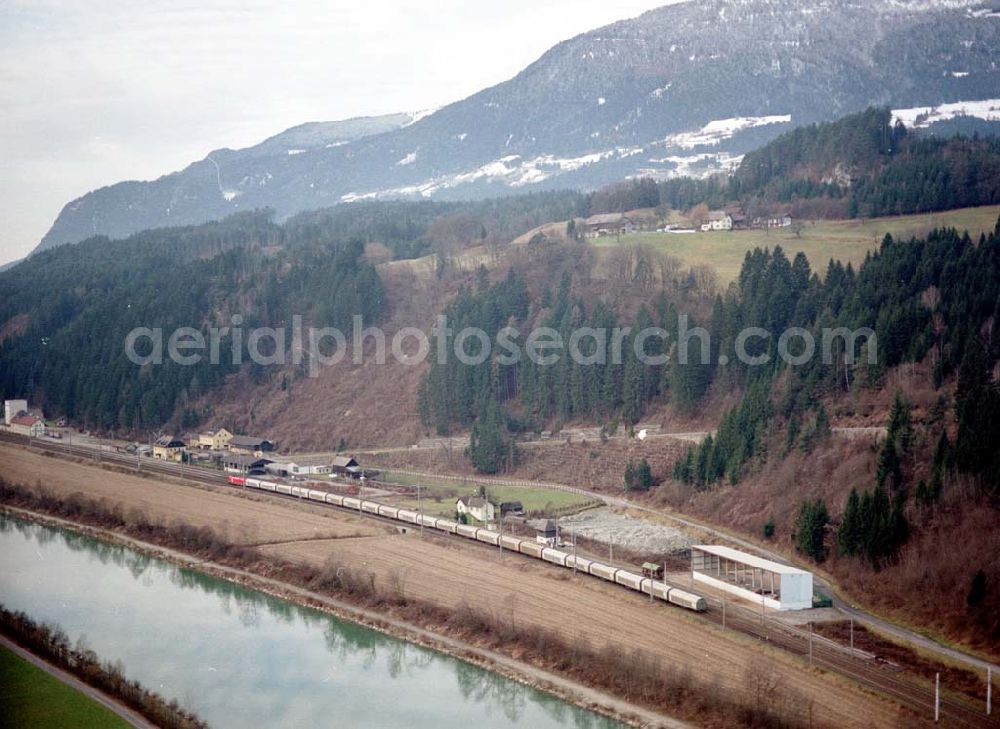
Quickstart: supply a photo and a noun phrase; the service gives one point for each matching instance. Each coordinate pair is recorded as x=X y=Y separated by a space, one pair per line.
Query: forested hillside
x=862 y=165
x=75 y=306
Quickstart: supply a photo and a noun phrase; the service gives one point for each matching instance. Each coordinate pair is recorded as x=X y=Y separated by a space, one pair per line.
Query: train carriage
x=554 y=556
x=687 y=600
x=511 y=543
x=661 y=590
x=283 y=488
x=335 y=499
x=349 y=502
x=605 y=572
x=430 y=522
x=237 y=480
x=446 y=525
x=266 y=486
x=578 y=563
x=369 y=507
x=488 y=536
x=300 y=492
x=629 y=579
x=466 y=530
x=317 y=495
x=410 y=517
x=532 y=549
x=390 y=512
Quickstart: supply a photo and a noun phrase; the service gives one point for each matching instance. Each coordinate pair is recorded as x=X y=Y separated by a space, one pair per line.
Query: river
x=241 y=658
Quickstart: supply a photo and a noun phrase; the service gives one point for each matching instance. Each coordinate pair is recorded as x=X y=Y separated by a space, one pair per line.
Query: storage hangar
x=779 y=586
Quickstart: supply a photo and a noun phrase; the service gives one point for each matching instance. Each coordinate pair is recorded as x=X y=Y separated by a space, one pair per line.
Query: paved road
x=136 y=720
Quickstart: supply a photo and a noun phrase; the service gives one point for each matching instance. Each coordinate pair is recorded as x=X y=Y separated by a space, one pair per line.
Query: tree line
x=80 y=302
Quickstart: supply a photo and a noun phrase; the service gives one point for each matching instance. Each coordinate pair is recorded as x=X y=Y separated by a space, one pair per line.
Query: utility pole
x=989 y=691
x=500 y=540
x=852 y=634
x=574 y=553
x=723 y=610
x=810 y=644
x=611 y=550
x=420 y=512
x=937 y=697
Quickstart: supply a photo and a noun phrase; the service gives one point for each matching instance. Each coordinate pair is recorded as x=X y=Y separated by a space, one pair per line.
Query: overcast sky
x=94 y=93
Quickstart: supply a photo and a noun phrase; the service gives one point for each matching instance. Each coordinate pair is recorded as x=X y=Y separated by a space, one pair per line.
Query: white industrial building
x=13 y=408
x=778 y=586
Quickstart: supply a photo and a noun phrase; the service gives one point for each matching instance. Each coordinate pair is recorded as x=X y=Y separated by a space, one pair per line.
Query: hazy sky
x=93 y=93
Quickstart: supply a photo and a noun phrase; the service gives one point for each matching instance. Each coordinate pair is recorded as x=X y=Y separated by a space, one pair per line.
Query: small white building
x=477 y=507
x=13 y=408
x=778 y=586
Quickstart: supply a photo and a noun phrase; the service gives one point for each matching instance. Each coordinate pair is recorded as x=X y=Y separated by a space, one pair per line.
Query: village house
x=347 y=466
x=717 y=220
x=214 y=440
x=249 y=445
x=477 y=507
x=608 y=224
x=168 y=448
x=244 y=465
x=27 y=425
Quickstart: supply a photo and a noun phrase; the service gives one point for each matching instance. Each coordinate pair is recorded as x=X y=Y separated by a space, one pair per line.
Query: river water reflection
x=241 y=658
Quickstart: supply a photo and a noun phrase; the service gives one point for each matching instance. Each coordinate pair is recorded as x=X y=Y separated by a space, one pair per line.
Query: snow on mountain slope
x=683 y=89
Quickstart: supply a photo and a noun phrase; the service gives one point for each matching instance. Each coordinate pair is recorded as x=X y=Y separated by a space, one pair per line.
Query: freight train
x=528 y=547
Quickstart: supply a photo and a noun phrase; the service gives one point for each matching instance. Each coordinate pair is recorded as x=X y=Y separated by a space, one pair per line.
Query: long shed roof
x=748 y=559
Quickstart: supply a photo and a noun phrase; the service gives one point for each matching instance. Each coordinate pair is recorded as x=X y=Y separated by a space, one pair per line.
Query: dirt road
x=452 y=572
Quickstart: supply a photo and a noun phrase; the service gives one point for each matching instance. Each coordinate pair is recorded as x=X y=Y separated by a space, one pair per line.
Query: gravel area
x=604 y=525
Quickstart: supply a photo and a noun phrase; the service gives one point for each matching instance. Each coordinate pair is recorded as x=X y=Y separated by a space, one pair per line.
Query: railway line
x=912 y=693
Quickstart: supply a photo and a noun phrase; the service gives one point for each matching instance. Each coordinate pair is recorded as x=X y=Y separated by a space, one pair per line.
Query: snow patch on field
x=295 y=151
x=230 y=195
x=920 y=117
x=721 y=129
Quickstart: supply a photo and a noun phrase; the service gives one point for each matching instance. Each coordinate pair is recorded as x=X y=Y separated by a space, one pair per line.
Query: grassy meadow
x=438 y=495
x=30 y=697
x=820 y=240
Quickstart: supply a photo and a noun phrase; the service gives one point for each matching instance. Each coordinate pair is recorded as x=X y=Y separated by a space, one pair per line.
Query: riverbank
x=37 y=694
x=522 y=672
x=458 y=583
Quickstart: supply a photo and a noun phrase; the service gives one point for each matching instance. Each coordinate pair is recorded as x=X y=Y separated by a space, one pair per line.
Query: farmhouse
x=168 y=448
x=214 y=440
x=718 y=220
x=608 y=224
x=27 y=425
x=249 y=445
x=241 y=464
x=347 y=466
x=477 y=507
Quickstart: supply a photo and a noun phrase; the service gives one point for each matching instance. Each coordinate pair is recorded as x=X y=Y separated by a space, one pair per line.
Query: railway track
x=907 y=691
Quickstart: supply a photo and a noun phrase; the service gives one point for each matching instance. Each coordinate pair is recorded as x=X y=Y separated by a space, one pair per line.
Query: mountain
x=683 y=89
